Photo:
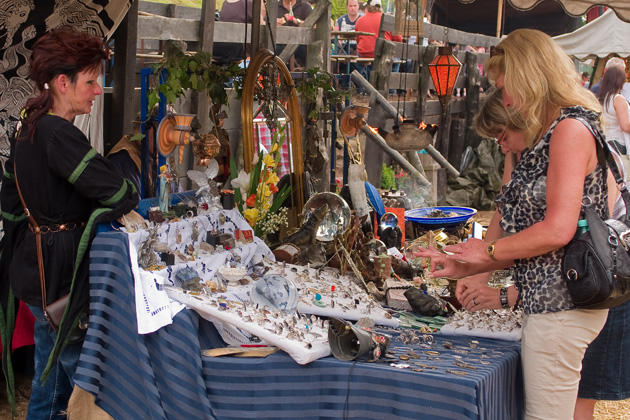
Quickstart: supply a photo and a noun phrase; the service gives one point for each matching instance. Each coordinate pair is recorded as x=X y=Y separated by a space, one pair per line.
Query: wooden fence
x=141 y=37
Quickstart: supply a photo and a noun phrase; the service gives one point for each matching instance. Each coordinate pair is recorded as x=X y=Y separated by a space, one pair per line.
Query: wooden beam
x=164 y=28
x=437 y=32
x=122 y=111
x=321 y=7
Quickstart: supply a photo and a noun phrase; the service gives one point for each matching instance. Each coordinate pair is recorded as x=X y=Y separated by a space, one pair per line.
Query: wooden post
x=122 y=111
x=499 y=18
x=206 y=37
x=321 y=8
x=382 y=68
x=270 y=28
x=395 y=155
x=473 y=89
x=423 y=82
x=256 y=27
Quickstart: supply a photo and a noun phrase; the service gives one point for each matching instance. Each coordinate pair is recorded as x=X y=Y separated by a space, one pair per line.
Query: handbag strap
x=38 y=236
x=606 y=159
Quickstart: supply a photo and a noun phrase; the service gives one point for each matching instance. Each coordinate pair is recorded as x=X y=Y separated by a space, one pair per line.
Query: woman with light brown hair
x=540 y=207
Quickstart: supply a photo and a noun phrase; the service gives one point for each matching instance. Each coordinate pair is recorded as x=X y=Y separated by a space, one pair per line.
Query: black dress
x=63 y=180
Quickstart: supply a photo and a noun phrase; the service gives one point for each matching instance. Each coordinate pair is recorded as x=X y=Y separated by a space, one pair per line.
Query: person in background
x=233 y=11
x=540 y=207
x=68 y=187
x=585 y=79
x=613 y=62
x=616 y=112
x=293 y=13
x=346 y=23
x=371 y=22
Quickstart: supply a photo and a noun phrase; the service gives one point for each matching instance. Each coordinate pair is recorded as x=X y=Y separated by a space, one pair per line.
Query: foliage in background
x=196 y=72
x=388 y=178
x=338 y=9
x=309 y=87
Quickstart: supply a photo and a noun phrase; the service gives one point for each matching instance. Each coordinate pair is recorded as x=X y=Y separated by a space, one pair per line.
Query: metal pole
x=389 y=109
x=400 y=159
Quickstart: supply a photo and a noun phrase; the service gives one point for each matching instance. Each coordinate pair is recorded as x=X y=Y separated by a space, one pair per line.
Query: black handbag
x=596 y=264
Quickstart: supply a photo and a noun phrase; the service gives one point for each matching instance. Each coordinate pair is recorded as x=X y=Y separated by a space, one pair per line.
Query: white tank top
x=611 y=123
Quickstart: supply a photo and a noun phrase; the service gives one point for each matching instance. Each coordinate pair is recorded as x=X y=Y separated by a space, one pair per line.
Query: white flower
x=242 y=181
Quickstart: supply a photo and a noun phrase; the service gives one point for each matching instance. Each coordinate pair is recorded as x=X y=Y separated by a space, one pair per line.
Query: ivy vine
x=178 y=73
x=309 y=89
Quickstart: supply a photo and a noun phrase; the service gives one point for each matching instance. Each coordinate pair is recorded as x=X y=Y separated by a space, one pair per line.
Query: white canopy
x=603 y=36
x=580 y=7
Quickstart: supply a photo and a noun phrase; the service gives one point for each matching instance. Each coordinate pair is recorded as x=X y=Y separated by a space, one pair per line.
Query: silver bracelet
x=504 y=298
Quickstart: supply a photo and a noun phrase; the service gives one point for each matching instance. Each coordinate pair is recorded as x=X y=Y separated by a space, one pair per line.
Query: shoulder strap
x=36 y=230
x=605 y=160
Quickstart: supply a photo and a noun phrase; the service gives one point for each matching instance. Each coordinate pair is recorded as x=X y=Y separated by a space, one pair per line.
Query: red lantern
x=444 y=71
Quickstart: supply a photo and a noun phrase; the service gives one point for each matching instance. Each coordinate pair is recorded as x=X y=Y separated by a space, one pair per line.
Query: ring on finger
x=474 y=302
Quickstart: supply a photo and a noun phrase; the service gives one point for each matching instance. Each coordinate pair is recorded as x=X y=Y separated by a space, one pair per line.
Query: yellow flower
x=264 y=190
x=272 y=178
x=251 y=215
x=274 y=147
x=269 y=161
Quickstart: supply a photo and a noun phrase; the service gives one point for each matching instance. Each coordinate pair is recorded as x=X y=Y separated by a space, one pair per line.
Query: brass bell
x=205 y=148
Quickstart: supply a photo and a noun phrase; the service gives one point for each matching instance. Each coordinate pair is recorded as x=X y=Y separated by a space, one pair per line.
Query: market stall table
x=163 y=375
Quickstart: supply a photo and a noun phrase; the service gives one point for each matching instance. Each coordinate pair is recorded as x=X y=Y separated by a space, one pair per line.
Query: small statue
x=146 y=256
x=164 y=198
x=307 y=234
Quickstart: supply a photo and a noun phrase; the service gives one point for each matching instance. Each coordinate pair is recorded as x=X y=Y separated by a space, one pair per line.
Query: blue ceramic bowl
x=420 y=217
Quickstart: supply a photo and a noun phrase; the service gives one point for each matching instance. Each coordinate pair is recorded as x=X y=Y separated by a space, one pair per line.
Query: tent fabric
x=580 y=7
x=21 y=23
x=603 y=36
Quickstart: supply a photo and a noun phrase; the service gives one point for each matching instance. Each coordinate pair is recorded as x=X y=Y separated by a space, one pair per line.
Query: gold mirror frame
x=261 y=58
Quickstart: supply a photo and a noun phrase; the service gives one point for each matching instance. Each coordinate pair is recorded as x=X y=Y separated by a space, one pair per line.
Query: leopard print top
x=522 y=203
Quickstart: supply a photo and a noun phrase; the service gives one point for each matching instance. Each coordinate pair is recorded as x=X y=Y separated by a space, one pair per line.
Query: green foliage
x=388 y=178
x=338 y=9
x=196 y=72
x=309 y=88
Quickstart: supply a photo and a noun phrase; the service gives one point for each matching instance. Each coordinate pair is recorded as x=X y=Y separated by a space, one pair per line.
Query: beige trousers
x=552 y=349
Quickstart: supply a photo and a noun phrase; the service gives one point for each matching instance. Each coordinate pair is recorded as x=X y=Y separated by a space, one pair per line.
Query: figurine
x=164 y=199
x=146 y=256
x=307 y=234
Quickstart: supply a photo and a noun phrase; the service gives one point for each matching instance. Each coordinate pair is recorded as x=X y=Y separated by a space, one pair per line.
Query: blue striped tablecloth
x=163 y=375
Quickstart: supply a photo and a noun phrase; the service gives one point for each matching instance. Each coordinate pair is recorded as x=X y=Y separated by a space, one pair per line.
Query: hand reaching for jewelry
x=477 y=295
x=468 y=282
x=442 y=265
x=471 y=251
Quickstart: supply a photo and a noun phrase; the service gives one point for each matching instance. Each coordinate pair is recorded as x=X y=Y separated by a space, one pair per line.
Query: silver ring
x=474 y=302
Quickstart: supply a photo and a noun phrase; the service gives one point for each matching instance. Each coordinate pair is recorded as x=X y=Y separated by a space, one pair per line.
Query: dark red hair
x=60 y=51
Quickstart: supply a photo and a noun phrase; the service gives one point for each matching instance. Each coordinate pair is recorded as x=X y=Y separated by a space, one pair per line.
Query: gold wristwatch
x=491 y=250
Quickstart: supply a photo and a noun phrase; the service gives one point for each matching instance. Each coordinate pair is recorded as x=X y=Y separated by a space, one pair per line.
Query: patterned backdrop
x=21 y=22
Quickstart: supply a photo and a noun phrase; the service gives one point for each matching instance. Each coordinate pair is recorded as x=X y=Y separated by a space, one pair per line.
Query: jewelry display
x=503 y=324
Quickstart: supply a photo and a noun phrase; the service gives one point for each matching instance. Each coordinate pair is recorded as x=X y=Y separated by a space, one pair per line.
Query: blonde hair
x=540 y=77
x=493 y=114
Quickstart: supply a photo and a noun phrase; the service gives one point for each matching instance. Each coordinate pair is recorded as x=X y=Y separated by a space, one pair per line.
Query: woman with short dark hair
x=67 y=187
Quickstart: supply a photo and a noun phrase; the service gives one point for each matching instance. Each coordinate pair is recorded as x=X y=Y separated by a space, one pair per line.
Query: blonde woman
x=540 y=207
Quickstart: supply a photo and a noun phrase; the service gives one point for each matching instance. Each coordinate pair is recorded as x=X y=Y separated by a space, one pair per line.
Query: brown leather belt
x=57 y=227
